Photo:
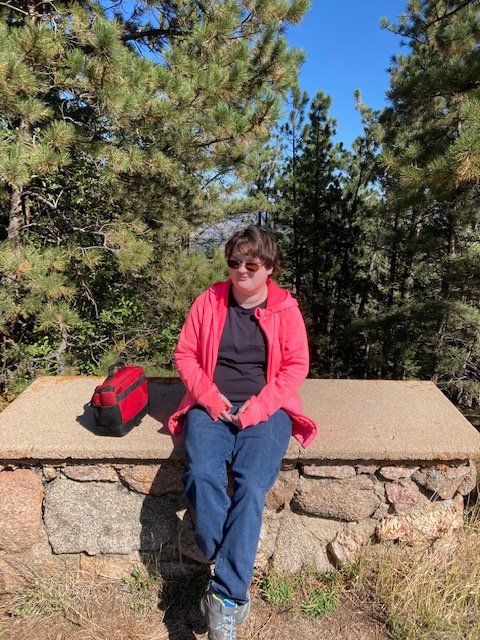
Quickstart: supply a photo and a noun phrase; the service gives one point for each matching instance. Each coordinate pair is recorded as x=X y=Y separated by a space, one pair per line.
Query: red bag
x=121 y=401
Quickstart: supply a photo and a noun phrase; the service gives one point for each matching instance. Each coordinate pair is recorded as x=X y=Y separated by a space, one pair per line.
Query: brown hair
x=258 y=243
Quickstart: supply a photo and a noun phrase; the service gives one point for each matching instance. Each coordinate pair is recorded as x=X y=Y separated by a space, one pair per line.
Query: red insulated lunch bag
x=121 y=401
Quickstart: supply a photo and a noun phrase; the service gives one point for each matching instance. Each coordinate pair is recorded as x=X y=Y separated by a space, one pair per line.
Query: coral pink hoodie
x=287 y=360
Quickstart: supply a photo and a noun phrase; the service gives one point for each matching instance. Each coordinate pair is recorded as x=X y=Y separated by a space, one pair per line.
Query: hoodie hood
x=278 y=298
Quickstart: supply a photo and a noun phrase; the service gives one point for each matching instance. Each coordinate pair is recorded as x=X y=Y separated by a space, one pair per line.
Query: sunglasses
x=250 y=266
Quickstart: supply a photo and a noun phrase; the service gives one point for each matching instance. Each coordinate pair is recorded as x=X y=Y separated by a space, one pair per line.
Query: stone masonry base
x=111 y=518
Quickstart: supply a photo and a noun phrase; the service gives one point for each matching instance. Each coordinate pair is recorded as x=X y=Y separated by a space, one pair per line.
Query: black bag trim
x=123 y=394
x=131 y=388
x=118 y=429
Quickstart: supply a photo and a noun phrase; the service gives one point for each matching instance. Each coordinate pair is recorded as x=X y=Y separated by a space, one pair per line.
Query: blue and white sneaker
x=222 y=616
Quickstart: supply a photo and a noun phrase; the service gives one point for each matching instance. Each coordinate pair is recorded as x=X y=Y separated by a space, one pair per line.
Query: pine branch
x=155 y=32
x=448 y=13
x=12 y=8
x=43 y=200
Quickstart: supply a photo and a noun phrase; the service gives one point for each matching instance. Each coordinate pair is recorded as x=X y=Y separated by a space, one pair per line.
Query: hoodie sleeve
x=293 y=371
x=188 y=362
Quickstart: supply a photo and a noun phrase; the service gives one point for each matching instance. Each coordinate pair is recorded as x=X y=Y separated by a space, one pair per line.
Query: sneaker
x=222 y=616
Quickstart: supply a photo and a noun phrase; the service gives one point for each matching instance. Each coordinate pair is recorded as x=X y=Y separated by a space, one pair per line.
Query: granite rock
x=271 y=523
x=345 y=547
x=403 y=495
x=365 y=528
x=470 y=481
x=381 y=511
x=153 y=479
x=397 y=472
x=50 y=473
x=328 y=471
x=366 y=468
x=111 y=519
x=21 y=494
x=442 y=480
x=426 y=525
x=20 y=569
x=112 y=566
x=349 y=499
x=302 y=542
x=91 y=472
x=282 y=491
x=186 y=543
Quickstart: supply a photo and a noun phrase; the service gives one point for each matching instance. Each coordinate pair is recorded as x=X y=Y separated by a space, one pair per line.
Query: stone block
x=282 y=491
x=397 y=472
x=153 y=479
x=271 y=523
x=403 y=495
x=13 y=577
x=91 y=472
x=97 y=517
x=345 y=547
x=426 y=525
x=365 y=528
x=302 y=542
x=50 y=473
x=20 y=569
x=443 y=480
x=328 y=470
x=470 y=481
x=186 y=538
x=349 y=499
x=21 y=494
x=381 y=511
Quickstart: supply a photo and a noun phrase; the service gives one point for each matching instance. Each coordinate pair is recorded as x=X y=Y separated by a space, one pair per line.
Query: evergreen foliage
x=127 y=131
x=382 y=242
x=120 y=134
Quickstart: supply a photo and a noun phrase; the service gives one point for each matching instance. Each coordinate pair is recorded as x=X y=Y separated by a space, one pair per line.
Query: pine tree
x=431 y=158
x=287 y=208
x=122 y=134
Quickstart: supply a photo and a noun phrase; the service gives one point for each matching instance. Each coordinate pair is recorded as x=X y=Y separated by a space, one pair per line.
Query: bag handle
x=118 y=364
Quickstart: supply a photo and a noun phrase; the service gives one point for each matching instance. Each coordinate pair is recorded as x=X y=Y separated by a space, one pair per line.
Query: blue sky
x=346 y=49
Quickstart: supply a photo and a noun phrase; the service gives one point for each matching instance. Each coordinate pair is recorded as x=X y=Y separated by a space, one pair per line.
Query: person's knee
x=254 y=486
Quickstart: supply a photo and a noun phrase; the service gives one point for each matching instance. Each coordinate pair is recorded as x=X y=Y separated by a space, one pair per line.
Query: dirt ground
x=105 y=610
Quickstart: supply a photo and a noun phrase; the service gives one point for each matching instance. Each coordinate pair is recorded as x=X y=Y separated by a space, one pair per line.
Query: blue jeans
x=227 y=529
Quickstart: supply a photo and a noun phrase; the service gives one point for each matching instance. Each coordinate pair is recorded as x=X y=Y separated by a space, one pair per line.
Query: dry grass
x=427 y=594
x=77 y=605
x=395 y=592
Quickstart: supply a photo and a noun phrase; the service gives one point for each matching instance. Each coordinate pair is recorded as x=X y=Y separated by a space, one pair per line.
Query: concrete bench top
x=358 y=420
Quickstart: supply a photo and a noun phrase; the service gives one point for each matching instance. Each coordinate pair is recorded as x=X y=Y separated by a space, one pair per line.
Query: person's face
x=244 y=279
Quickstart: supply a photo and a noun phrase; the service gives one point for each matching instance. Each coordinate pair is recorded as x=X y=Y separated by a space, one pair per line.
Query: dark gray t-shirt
x=241 y=366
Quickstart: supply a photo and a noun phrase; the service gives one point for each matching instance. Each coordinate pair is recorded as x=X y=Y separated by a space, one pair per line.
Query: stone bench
x=394 y=460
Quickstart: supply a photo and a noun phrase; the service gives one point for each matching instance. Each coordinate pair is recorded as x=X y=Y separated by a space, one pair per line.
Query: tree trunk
x=406 y=290
x=297 y=265
x=19 y=203
x=16 y=215
x=446 y=291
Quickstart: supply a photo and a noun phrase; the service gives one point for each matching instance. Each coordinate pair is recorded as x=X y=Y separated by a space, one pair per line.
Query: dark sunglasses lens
x=251 y=266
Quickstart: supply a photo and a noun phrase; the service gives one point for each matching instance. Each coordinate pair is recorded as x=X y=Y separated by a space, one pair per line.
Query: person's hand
x=225 y=415
x=236 y=418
